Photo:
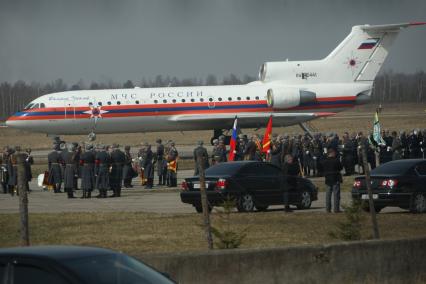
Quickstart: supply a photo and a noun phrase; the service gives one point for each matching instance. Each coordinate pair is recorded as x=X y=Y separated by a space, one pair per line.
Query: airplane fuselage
x=168 y=109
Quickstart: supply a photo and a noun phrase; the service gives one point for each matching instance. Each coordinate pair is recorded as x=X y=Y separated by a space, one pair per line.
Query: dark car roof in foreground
x=55 y=252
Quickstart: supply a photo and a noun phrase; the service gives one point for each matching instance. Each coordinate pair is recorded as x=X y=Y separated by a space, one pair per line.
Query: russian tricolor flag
x=369 y=43
x=233 y=143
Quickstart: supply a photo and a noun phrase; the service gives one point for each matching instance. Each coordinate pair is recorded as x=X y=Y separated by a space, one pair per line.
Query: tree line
x=388 y=87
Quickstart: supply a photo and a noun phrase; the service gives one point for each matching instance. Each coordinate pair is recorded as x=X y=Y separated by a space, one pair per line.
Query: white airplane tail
x=358 y=58
x=363 y=52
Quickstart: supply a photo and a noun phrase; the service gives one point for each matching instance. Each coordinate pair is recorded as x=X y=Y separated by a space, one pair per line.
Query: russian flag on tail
x=233 y=143
x=266 y=143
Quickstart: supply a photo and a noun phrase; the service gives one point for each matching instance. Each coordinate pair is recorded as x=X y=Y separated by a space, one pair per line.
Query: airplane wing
x=198 y=117
x=247 y=119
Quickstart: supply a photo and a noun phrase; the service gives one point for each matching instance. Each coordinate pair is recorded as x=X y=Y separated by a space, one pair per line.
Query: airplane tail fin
x=361 y=54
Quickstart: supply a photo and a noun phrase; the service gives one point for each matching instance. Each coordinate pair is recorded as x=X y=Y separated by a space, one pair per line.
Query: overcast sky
x=98 y=40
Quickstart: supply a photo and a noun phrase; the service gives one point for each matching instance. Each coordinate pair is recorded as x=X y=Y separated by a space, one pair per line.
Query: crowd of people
x=107 y=168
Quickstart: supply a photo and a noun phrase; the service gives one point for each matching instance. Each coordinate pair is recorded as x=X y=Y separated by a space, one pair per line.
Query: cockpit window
x=35 y=106
x=42 y=105
x=28 y=106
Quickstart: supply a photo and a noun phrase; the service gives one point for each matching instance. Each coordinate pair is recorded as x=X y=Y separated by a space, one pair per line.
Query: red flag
x=233 y=142
x=266 y=143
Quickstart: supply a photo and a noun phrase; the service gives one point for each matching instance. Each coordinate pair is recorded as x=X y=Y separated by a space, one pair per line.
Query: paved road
x=161 y=200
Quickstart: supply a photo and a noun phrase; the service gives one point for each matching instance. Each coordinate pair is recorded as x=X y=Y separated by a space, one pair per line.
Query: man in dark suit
x=333 y=178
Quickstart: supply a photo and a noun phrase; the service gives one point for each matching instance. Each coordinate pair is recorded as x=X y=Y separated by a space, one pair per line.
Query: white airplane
x=293 y=92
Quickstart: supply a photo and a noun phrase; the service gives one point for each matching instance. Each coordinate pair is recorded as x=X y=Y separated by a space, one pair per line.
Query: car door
x=421 y=172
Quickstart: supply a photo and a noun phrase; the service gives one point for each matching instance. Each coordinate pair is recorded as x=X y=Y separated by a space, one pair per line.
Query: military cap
x=200 y=142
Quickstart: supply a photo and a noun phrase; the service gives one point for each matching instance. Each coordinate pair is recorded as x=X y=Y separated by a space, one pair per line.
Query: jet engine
x=288 y=97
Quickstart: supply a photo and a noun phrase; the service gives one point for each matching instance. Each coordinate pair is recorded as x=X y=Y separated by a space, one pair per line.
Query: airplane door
x=69 y=113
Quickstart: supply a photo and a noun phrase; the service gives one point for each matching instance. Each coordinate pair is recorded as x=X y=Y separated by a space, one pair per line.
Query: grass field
x=136 y=233
x=394 y=117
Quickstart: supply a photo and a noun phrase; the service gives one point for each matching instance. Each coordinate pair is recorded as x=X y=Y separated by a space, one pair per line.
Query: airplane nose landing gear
x=92 y=136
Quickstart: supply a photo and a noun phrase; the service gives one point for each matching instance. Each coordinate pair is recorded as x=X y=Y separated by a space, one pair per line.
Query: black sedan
x=251 y=184
x=71 y=264
x=400 y=183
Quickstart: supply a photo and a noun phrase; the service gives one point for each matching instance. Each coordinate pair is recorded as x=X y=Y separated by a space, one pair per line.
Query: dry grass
x=136 y=233
x=345 y=121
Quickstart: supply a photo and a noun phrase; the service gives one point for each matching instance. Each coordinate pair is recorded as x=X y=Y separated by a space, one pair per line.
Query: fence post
x=22 y=185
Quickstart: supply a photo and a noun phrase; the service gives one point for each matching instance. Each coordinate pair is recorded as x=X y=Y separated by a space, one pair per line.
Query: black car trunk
x=193 y=183
x=376 y=182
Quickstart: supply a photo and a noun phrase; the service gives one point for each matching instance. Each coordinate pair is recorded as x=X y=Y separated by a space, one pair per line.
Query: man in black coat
x=146 y=157
x=333 y=178
x=87 y=163
x=201 y=158
x=291 y=170
x=4 y=175
x=70 y=173
x=348 y=154
x=116 y=175
x=127 y=168
x=54 y=165
x=102 y=165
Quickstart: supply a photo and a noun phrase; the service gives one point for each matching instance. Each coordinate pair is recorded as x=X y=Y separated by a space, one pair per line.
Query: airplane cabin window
x=201 y=100
x=229 y=99
x=257 y=98
x=42 y=105
x=220 y=99
x=239 y=98
x=109 y=103
x=90 y=104
x=118 y=103
x=174 y=101
x=99 y=103
x=137 y=102
x=248 y=98
x=155 y=102
x=183 y=100
x=165 y=101
x=210 y=99
x=192 y=100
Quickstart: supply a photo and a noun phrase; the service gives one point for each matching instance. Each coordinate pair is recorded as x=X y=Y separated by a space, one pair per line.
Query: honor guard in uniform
x=201 y=157
x=116 y=173
x=240 y=148
x=251 y=149
x=70 y=172
x=146 y=164
x=276 y=149
x=172 y=157
x=4 y=175
x=306 y=156
x=215 y=152
x=347 y=155
x=13 y=171
x=127 y=168
x=102 y=166
x=396 y=147
x=54 y=165
x=87 y=163
x=160 y=162
x=219 y=151
x=317 y=154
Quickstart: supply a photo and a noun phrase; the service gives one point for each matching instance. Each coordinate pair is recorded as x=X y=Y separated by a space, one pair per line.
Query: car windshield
x=114 y=269
x=223 y=169
x=392 y=168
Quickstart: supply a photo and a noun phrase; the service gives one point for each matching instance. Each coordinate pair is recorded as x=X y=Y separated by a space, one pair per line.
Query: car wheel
x=245 y=203
x=199 y=208
x=305 y=201
x=418 y=203
x=261 y=208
